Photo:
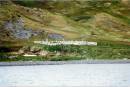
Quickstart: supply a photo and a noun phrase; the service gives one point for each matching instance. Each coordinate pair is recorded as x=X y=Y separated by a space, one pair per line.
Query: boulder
x=21 y=51
x=107 y=4
x=43 y=53
x=34 y=49
x=55 y=36
x=58 y=54
x=12 y=57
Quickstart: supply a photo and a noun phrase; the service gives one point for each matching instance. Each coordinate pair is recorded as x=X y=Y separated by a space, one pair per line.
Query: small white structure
x=65 y=42
x=29 y=55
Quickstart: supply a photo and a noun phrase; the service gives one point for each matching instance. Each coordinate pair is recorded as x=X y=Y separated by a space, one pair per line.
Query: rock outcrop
x=18 y=30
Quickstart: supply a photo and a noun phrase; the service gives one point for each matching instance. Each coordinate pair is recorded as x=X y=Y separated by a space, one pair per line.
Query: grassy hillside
x=22 y=22
x=88 y=20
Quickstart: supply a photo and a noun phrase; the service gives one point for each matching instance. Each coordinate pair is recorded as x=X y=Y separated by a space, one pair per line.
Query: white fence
x=65 y=43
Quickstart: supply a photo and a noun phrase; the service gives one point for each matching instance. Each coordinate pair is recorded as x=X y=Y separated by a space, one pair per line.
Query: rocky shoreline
x=27 y=63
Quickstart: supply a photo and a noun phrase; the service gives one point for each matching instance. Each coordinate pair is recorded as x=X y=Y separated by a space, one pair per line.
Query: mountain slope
x=79 y=20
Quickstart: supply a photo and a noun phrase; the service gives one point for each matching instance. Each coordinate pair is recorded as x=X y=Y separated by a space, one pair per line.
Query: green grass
x=123 y=18
x=65 y=58
x=104 y=50
x=65 y=22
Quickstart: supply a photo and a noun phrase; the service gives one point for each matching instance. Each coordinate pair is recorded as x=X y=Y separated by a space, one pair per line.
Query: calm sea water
x=66 y=75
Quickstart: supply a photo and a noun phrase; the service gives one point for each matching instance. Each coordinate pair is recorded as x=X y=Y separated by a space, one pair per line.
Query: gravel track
x=25 y=63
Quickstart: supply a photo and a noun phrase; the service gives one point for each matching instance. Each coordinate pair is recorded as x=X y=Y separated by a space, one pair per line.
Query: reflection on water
x=67 y=75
